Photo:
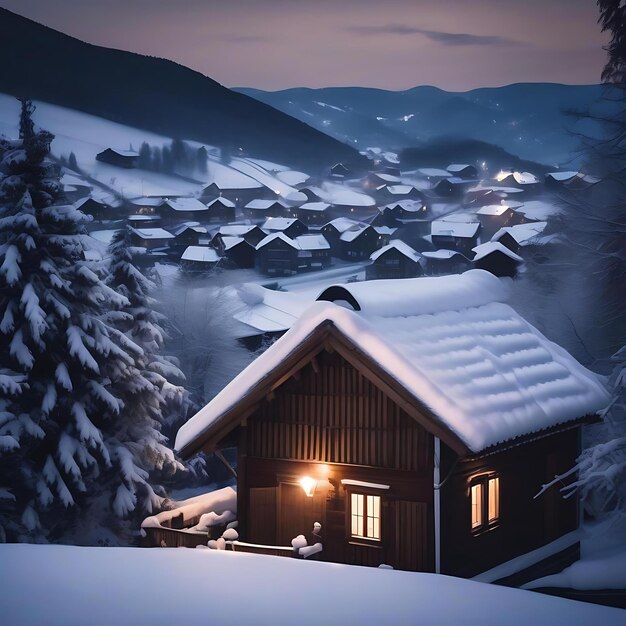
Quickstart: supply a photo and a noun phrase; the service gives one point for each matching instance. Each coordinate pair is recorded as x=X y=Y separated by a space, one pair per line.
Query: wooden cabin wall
x=331 y=423
x=525 y=523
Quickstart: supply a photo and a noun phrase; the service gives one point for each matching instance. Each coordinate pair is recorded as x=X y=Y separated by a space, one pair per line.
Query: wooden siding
x=525 y=522
x=335 y=415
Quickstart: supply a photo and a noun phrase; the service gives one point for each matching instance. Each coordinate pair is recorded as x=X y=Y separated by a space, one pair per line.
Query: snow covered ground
x=72 y=586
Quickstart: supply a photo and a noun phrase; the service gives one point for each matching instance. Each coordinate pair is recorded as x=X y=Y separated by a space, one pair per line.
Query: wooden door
x=296 y=512
x=411 y=536
x=262 y=516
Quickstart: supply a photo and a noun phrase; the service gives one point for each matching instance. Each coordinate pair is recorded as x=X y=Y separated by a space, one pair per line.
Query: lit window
x=365 y=516
x=485 y=502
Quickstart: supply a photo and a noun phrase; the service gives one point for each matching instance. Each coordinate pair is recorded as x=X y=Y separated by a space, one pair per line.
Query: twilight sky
x=392 y=44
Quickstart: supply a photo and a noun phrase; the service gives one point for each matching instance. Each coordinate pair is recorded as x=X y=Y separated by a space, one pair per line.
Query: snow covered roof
x=315 y=206
x=274 y=236
x=223 y=201
x=561 y=176
x=152 y=233
x=433 y=172
x=292 y=177
x=410 y=206
x=401 y=247
x=195 y=226
x=268 y=310
x=262 y=205
x=455 y=168
x=539 y=210
x=312 y=242
x=400 y=190
x=390 y=178
x=236 y=230
x=484 y=374
x=202 y=254
x=124 y=153
x=344 y=223
x=226 y=177
x=485 y=249
x=278 y=223
x=521 y=178
x=454 y=229
x=231 y=242
x=494 y=210
x=147 y=201
x=352 y=233
x=185 y=204
x=524 y=234
x=441 y=255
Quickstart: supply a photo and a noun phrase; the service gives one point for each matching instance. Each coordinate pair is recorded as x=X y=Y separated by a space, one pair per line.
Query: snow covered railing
x=189 y=523
x=257 y=548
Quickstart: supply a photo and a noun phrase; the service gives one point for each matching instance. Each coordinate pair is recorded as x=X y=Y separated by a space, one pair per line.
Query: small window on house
x=365 y=516
x=485 y=502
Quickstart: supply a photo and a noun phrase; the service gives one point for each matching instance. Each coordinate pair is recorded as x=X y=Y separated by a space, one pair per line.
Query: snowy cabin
x=220 y=210
x=439 y=262
x=416 y=420
x=177 y=209
x=199 y=259
x=493 y=217
x=313 y=213
x=287 y=225
x=260 y=209
x=150 y=238
x=463 y=170
x=496 y=258
x=238 y=252
x=120 y=158
x=251 y=233
x=458 y=236
x=395 y=260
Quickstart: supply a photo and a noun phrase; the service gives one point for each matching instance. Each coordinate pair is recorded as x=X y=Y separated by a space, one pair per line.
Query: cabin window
x=485 y=502
x=365 y=516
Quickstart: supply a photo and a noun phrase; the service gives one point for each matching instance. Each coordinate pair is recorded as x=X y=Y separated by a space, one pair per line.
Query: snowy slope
x=86 y=135
x=71 y=586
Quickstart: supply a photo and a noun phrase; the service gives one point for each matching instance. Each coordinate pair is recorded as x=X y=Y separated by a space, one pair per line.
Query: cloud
x=447 y=39
x=244 y=38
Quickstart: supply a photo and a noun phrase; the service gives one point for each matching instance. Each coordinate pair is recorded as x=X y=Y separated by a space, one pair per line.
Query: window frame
x=354 y=490
x=489 y=496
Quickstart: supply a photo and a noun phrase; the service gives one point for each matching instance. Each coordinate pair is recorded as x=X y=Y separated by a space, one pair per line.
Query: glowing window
x=365 y=516
x=485 y=502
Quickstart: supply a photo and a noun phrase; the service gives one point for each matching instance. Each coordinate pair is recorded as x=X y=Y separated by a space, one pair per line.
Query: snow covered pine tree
x=75 y=454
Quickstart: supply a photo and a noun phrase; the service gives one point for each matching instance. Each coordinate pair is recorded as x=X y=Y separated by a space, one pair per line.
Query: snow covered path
x=70 y=586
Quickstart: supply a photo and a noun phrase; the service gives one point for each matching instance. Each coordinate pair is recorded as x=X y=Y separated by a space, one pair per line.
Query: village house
x=406 y=209
x=188 y=234
x=395 y=260
x=339 y=170
x=374 y=180
x=277 y=255
x=237 y=251
x=440 y=262
x=120 y=158
x=520 y=235
x=220 y=210
x=239 y=189
x=416 y=421
x=335 y=228
x=287 y=225
x=356 y=244
x=259 y=209
x=314 y=251
x=493 y=217
x=250 y=232
x=199 y=260
x=150 y=238
x=450 y=187
x=181 y=209
x=313 y=213
x=526 y=182
x=459 y=236
x=463 y=170
x=496 y=258
x=100 y=211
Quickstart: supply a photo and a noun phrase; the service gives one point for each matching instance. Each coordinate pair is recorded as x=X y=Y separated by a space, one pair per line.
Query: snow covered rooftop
x=539 y=210
x=561 y=176
x=342 y=224
x=462 y=230
x=452 y=343
x=353 y=233
x=441 y=255
x=312 y=242
x=185 y=204
x=410 y=206
x=201 y=254
x=524 y=234
x=275 y=236
x=389 y=178
x=340 y=195
x=231 y=242
x=278 y=223
x=494 y=210
x=152 y=233
x=223 y=201
x=401 y=247
x=262 y=205
x=400 y=190
x=484 y=249
x=433 y=172
x=315 y=206
x=455 y=168
x=236 y=230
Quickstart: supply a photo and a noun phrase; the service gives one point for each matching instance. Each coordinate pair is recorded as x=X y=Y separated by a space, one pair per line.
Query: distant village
x=395 y=223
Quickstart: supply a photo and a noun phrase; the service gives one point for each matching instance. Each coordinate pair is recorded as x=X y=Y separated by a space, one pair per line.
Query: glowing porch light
x=501 y=175
x=308 y=485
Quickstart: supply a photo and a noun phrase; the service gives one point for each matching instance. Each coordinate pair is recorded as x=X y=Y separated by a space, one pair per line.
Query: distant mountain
x=153 y=94
x=526 y=119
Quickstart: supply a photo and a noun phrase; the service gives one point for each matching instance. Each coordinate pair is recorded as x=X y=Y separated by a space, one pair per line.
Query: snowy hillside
x=86 y=135
x=70 y=586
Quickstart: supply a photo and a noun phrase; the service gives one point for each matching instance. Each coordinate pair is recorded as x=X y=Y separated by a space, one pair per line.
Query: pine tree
x=202 y=161
x=71 y=447
x=72 y=163
x=145 y=157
